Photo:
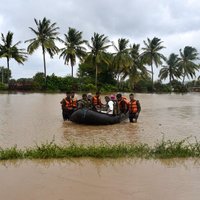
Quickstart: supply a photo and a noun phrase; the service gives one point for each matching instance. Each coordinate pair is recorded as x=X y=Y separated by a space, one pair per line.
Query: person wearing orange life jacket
x=67 y=106
x=134 y=109
x=74 y=100
x=96 y=102
x=122 y=103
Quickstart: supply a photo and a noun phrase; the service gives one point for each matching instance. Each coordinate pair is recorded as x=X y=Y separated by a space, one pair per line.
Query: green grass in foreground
x=163 y=149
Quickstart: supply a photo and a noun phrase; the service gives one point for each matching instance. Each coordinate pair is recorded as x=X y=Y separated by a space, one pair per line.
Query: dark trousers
x=66 y=114
x=133 y=116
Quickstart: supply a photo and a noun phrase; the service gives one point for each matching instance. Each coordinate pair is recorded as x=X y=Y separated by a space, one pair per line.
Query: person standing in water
x=96 y=102
x=134 y=109
x=67 y=106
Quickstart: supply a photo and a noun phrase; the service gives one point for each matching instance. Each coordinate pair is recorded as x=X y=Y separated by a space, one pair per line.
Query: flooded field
x=29 y=119
x=89 y=179
x=26 y=119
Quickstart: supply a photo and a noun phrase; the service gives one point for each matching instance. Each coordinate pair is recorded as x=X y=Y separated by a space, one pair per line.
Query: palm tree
x=151 y=53
x=73 y=47
x=187 y=65
x=137 y=70
x=170 y=70
x=99 y=44
x=46 y=35
x=8 y=50
x=121 y=59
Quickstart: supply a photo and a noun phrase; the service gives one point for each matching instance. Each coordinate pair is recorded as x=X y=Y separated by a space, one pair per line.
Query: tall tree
x=171 y=70
x=73 y=47
x=151 y=54
x=5 y=75
x=9 y=51
x=97 y=53
x=137 y=70
x=187 y=65
x=46 y=35
x=121 y=59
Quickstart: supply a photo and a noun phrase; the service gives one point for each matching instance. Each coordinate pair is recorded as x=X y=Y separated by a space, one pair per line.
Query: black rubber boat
x=90 y=117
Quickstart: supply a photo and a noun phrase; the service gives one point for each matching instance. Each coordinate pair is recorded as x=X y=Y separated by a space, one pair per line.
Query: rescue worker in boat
x=134 y=109
x=84 y=103
x=96 y=102
x=89 y=97
x=109 y=105
x=115 y=105
x=122 y=103
x=67 y=106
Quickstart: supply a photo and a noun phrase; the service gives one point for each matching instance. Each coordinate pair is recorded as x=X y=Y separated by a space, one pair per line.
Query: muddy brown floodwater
x=89 y=179
x=27 y=119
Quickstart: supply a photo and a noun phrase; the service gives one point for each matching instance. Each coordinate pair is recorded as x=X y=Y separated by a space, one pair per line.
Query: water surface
x=26 y=119
x=89 y=179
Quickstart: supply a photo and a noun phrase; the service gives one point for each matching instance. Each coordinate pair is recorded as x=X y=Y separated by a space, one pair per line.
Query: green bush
x=68 y=83
x=160 y=87
x=179 y=87
x=39 y=81
x=3 y=86
x=143 y=86
x=88 y=87
x=109 y=88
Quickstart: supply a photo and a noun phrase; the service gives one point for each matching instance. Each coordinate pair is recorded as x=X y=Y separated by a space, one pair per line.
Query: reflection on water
x=97 y=134
x=26 y=119
x=89 y=179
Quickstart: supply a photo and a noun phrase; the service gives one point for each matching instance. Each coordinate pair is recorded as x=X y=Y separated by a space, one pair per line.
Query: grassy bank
x=163 y=149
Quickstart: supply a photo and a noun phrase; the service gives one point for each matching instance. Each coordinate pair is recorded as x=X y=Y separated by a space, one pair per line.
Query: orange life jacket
x=133 y=106
x=125 y=99
x=74 y=102
x=69 y=104
x=96 y=101
x=123 y=107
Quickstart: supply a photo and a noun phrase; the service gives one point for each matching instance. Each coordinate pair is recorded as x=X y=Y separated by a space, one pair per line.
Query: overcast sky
x=175 y=22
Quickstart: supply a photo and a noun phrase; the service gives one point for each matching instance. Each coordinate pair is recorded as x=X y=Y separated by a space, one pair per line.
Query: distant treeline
x=68 y=83
x=127 y=67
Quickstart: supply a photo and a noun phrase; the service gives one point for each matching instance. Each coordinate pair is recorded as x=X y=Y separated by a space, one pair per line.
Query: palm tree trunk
x=45 y=73
x=118 y=82
x=96 y=76
x=152 y=76
x=183 y=79
x=72 y=70
x=2 y=75
x=8 y=66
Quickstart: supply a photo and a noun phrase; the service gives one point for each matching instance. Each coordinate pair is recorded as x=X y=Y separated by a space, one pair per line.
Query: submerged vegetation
x=161 y=150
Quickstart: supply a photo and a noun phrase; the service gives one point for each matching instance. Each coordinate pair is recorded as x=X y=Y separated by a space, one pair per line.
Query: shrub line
x=161 y=150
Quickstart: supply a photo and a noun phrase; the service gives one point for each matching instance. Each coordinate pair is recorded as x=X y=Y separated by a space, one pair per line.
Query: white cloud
x=177 y=23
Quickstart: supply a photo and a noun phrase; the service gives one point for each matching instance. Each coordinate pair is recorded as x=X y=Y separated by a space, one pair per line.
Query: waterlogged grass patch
x=163 y=149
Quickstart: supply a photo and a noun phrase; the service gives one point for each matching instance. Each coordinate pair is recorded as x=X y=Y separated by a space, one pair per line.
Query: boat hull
x=90 y=117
